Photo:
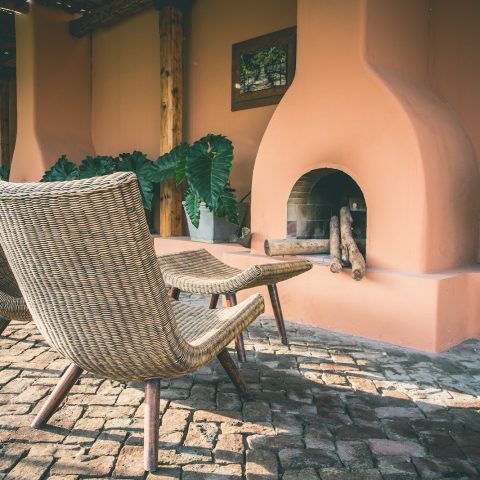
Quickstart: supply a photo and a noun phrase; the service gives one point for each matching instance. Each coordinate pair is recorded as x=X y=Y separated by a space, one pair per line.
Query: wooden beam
x=108 y=14
x=171 y=111
x=17 y=6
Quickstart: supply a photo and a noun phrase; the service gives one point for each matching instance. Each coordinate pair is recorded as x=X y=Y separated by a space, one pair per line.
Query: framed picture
x=263 y=69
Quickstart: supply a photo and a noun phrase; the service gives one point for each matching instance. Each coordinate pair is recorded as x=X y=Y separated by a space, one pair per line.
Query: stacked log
x=343 y=248
x=349 y=247
x=296 y=247
x=335 y=246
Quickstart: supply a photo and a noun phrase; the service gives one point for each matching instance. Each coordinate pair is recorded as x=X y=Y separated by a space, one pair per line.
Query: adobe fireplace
x=362 y=111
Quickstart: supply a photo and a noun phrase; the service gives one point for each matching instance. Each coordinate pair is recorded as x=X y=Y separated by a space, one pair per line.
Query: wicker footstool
x=198 y=271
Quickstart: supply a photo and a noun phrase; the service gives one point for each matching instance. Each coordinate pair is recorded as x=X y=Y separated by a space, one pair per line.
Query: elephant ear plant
x=204 y=168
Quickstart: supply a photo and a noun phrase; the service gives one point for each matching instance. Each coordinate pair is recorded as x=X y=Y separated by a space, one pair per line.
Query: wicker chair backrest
x=8 y=284
x=84 y=260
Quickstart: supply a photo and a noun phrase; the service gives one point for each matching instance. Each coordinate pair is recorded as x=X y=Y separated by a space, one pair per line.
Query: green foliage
x=170 y=165
x=4 y=173
x=227 y=205
x=208 y=167
x=63 y=170
x=192 y=206
x=205 y=167
x=97 y=166
x=138 y=163
x=135 y=162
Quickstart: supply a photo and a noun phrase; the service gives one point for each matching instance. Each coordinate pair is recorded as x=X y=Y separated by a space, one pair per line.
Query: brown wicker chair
x=84 y=260
x=12 y=304
x=198 y=271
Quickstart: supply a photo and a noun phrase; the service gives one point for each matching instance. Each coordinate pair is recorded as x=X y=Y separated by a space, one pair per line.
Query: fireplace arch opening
x=317 y=196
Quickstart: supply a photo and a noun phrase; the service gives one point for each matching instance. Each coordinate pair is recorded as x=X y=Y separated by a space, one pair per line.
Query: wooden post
x=171 y=109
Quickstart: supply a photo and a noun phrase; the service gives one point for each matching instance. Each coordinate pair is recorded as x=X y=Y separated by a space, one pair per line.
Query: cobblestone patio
x=328 y=407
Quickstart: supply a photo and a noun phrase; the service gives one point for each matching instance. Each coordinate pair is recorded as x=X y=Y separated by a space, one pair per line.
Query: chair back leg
x=174 y=293
x=239 y=344
x=3 y=324
x=56 y=397
x=214 y=301
x=232 y=371
x=152 y=412
x=277 y=311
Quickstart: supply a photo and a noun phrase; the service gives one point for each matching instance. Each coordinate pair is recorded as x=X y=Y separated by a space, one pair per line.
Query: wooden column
x=171 y=98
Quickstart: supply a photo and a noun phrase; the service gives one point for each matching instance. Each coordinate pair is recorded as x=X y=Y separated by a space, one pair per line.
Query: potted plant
x=203 y=168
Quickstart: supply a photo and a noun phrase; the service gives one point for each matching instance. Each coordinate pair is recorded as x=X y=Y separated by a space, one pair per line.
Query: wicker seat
x=84 y=260
x=12 y=304
x=198 y=271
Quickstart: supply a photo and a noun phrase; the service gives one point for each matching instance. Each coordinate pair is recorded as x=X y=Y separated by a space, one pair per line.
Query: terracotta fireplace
x=368 y=129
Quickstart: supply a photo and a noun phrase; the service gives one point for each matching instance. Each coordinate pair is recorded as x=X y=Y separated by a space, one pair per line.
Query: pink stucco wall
x=53 y=93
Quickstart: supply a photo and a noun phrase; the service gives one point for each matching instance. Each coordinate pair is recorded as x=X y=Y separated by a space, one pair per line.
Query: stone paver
x=326 y=407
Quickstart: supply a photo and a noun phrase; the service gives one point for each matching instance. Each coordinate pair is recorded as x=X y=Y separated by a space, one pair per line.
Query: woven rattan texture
x=12 y=304
x=198 y=271
x=84 y=260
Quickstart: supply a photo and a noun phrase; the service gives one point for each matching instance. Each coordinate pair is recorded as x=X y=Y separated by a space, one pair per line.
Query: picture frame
x=263 y=68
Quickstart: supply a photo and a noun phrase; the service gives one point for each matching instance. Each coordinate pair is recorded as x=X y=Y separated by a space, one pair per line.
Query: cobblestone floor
x=328 y=407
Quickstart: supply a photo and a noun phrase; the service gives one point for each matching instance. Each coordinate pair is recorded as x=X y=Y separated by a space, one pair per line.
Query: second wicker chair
x=83 y=257
x=198 y=271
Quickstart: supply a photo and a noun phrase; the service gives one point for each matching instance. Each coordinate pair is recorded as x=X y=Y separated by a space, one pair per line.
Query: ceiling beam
x=17 y=6
x=107 y=15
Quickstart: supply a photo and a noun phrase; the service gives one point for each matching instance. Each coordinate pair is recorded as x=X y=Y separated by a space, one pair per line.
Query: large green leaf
x=138 y=163
x=227 y=206
x=208 y=167
x=171 y=164
x=61 y=171
x=192 y=207
x=180 y=153
x=97 y=166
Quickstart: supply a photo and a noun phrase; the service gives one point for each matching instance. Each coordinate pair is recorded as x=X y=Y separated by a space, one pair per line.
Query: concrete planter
x=213 y=229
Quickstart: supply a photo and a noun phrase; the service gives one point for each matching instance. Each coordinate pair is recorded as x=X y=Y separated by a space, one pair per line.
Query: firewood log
x=335 y=257
x=296 y=246
x=349 y=247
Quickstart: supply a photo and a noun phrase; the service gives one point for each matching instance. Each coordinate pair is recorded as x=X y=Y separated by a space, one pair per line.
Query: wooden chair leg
x=174 y=293
x=239 y=344
x=214 y=301
x=56 y=397
x=277 y=311
x=152 y=412
x=3 y=324
x=232 y=371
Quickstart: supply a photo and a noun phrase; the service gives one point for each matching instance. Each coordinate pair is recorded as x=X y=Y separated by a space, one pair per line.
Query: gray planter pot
x=213 y=229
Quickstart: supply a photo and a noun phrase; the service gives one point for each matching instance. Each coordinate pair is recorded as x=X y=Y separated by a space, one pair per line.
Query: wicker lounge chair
x=12 y=304
x=198 y=271
x=83 y=257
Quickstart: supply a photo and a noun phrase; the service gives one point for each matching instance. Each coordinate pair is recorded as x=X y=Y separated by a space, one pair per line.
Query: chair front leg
x=174 y=293
x=239 y=344
x=3 y=324
x=152 y=412
x=277 y=311
x=56 y=397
